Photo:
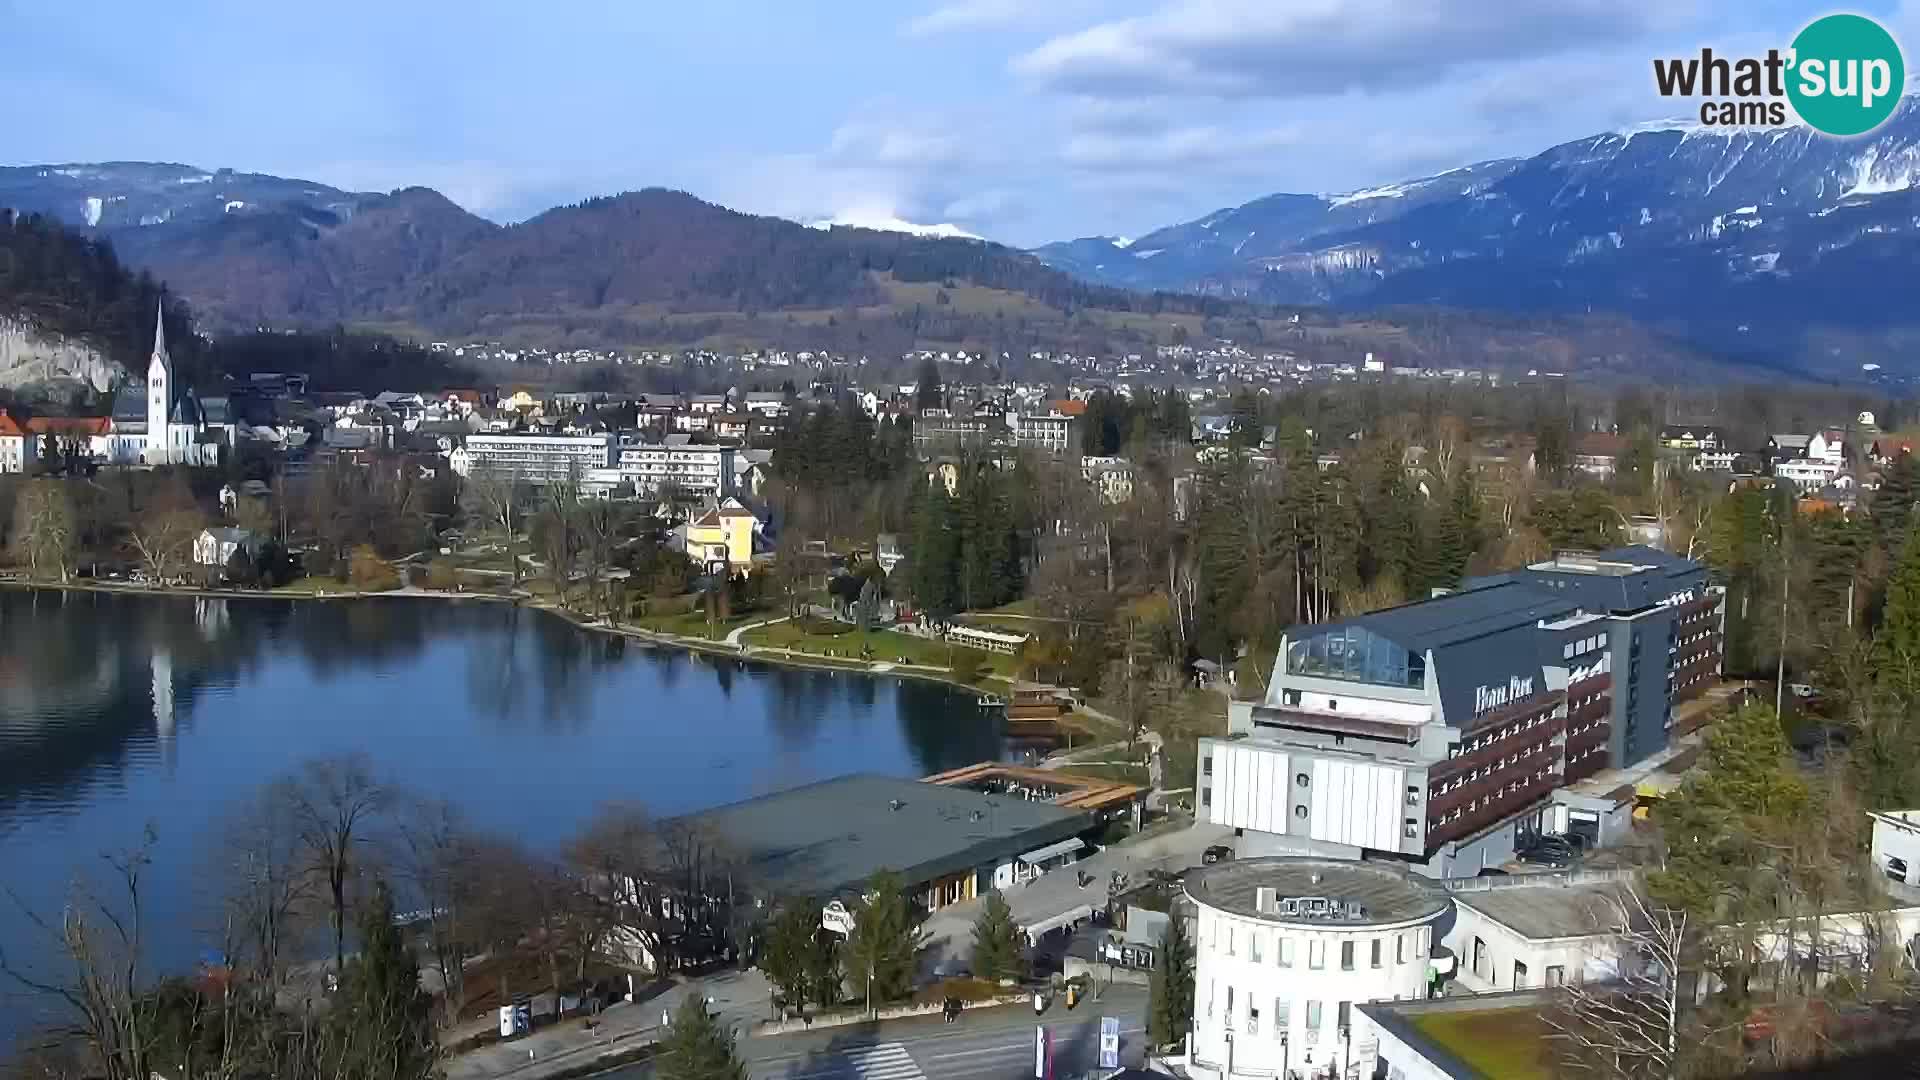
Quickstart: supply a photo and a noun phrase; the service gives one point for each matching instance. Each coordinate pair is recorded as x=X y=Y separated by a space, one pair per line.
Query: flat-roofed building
x=1284 y=949
x=1440 y=732
x=533 y=459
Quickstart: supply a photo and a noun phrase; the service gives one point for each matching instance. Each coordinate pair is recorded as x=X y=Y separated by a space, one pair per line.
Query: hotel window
x=1345 y=1014
x=1229 y=1013
x=1421 y=949
x=1253 y=1018
x=1313 y=1020
x=1346 y=956
x=1316 y=953
x=1229 y=953
x=1253 y=946
x=1206 y=765
x=1286 y=951
x=1374 y=951
x=1399 y=948
x=1281 y=1015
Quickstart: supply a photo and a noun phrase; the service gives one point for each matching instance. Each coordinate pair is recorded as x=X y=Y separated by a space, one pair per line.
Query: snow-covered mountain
x=890 y=223
x=118 y=194
x=1729 y=236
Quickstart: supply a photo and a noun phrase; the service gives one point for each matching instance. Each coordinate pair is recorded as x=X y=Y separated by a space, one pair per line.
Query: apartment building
x=534 y=459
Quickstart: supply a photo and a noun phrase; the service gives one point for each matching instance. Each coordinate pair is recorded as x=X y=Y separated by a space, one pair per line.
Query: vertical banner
x=1039 y=1053
x=1109 y=1042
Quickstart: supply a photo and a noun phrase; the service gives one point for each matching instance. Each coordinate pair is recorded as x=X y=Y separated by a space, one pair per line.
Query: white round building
x=1285 y=947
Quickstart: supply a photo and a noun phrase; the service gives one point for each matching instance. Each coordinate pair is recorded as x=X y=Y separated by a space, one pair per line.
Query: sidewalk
x=740 y=999
x=1058 y=899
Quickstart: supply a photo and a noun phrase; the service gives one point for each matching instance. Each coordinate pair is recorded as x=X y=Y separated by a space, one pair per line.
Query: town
x=1387 y=711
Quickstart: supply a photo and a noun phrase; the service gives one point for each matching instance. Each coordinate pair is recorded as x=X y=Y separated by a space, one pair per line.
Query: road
x=988 y=1044
x=1057 y=898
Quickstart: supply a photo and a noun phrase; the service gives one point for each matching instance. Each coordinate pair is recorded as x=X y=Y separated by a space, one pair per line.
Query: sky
x=1021 y=120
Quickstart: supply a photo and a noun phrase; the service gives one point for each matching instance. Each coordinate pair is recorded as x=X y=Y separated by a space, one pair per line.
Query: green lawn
x=1502 y=1044
x=815 y=638
x=694 y=624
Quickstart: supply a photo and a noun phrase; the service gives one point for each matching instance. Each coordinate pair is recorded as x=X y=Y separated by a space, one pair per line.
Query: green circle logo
x=1847 y=74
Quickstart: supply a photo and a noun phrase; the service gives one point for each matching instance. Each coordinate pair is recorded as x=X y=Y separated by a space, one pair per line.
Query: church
x=161 y=423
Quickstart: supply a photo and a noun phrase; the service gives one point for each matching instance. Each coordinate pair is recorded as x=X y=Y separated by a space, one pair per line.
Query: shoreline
x=761 y=654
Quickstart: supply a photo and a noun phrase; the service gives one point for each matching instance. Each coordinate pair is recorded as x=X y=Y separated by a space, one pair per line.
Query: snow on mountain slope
x=890 y=223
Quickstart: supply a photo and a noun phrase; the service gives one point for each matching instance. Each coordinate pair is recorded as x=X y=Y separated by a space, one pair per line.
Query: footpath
x=575 y=1046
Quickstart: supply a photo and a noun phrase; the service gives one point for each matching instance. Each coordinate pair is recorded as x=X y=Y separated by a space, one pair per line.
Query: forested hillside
x=67 y=285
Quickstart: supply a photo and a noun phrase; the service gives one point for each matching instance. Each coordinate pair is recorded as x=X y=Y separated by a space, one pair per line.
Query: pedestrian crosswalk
x=880 y=1061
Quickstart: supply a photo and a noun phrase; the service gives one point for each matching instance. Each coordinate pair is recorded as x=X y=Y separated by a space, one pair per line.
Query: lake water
x=122 y=712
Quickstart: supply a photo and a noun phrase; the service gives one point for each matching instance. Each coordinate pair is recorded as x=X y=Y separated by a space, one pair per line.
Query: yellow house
x=722 y=538
x=521 y=402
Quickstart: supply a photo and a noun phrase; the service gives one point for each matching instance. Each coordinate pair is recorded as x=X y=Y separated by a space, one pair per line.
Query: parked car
x=1216 y=853
x=1548 y=851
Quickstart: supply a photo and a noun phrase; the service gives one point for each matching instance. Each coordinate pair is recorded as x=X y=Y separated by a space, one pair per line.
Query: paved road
x=1057 y=898
x=988 y=1044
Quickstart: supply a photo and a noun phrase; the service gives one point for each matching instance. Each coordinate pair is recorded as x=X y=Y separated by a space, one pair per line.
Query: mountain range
x=1774 y=242
x=1773 y=246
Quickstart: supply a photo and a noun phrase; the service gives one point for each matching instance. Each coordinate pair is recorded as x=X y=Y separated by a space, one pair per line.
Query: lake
x=120 y=712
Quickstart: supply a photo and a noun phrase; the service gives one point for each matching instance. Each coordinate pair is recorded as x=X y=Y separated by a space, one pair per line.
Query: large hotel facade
x=1444 y=733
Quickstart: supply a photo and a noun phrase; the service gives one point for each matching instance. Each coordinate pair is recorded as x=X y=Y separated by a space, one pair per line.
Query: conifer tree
x=1170 y=993
x=696 y=1047
x=996 y=941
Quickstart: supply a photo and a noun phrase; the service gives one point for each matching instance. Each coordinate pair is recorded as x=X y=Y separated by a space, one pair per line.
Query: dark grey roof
x=1388 y=895
x=829 y=837
x=1460 y=616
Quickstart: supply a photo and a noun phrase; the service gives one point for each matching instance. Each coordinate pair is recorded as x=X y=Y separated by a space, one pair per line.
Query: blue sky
x=1023 y=120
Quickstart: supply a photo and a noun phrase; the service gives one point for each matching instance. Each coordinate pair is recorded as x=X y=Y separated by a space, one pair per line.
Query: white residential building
x=1808 y=474
x=703 y=471
x=1284 y=948
x=1111 y=476
x=215 y=548
x=535 y=459
x=1050 y=431
x=16 y=446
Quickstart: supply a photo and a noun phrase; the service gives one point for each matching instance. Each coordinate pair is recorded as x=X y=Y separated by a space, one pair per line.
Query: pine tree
x=880 y=953
x=1892 y=505
x=996 y=941
x=792 y=946
x=696 y=1047
x=1899 y=638
x=382 y=1020
x=1170 y=993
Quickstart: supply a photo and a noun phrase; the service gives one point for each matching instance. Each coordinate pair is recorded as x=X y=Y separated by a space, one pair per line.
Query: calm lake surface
x=122 y=712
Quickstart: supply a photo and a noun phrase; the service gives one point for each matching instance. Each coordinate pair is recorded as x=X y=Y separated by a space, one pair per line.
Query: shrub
x=366 y=570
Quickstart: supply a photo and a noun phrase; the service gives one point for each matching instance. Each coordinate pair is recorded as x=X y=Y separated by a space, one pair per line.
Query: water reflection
x=116 y=711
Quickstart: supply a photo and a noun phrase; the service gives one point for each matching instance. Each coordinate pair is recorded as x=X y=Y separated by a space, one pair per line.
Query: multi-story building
x=706 y=472
x=1051 y=431
x=1285 y=948
x=1111 y=476
x=534 y=459
x=1441 y=732
x=16 y=446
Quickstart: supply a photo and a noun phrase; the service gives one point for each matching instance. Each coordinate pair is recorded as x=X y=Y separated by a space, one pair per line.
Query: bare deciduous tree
x=264 y=868
x=46 y=529
x=1629 y=1026
x=333 y=802
x=101 y=941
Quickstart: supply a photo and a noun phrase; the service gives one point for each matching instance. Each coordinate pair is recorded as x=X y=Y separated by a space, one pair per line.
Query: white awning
x=1441 y=965
x=1040 y=855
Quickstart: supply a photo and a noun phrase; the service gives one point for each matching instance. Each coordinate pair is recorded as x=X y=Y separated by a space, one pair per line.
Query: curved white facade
x=1275 y=985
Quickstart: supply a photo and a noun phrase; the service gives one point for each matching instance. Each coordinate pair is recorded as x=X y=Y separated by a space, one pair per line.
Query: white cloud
x=1262 y=48
x=1184 y=147
x=964 y=16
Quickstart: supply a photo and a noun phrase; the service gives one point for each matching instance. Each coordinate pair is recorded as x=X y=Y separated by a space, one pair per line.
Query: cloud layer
x=1018 y=120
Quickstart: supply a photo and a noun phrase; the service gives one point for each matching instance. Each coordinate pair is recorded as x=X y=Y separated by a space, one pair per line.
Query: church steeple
x=160 y=393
